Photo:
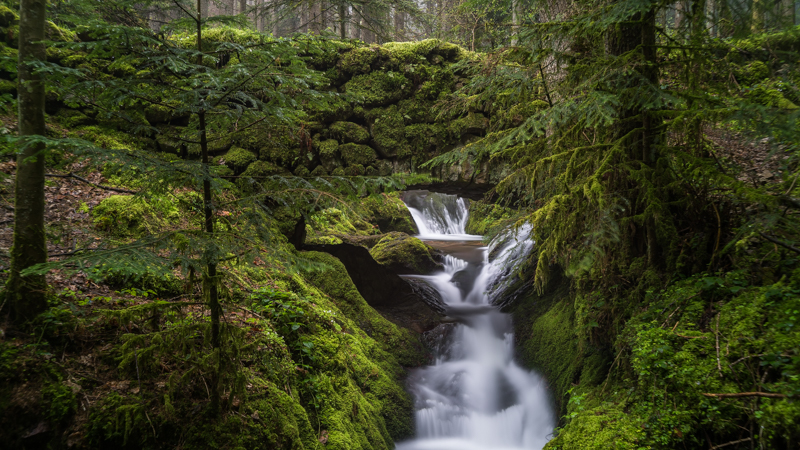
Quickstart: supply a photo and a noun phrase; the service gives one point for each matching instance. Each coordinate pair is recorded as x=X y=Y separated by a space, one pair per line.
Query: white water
x=475 y=397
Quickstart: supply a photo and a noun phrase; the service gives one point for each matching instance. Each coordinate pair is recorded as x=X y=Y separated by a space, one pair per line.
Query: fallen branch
x=731 y=443
x=79 y=178
x=782 y=244
x=747 y=394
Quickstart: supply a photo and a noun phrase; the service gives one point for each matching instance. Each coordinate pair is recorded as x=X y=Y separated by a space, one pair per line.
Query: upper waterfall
x=439 y=217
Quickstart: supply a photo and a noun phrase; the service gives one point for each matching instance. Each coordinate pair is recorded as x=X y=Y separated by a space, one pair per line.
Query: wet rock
x=406 y=255
x=384 y=290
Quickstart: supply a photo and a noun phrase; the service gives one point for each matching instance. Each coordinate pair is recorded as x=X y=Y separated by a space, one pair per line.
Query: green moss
x=472 y=123
x=388 y=212
x=357 y=154
x=8 y=16
x=329 y=155
x=768 y=94
x=405 y=254
x=237 y=159
x=71 y=118
x=606 y=427
x=319 y=171
x=355 y=170
x=129 y=215
x=259 y=169
x=8 y=87
x=302 y=171
x=359 y=60
x=377 y=88
x=388 y=131
x=487 y=218
x=426 y=138
x=348 y=132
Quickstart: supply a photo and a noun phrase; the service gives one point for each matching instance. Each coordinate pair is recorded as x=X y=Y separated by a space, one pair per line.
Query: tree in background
x=26 y=294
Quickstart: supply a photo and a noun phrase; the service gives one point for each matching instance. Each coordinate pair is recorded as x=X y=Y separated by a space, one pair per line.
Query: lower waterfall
x=474 y=396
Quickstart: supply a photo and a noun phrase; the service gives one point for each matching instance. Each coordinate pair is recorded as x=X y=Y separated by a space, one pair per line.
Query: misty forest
x=410 y=224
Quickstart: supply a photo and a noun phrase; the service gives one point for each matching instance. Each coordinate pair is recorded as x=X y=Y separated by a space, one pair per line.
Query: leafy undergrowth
x=131 y=370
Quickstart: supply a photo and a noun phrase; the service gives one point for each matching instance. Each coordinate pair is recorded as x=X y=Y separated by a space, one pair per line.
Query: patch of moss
x=8 y=16
x=329 y=154
x=302 y=171
x=607 y=426
x=355 y=170
x=71 y=118
x=319 y=171
x=347 y=132
x=377 y=88
x=354 y=154
x=405 y=254
x=388 y=131
x=127 y=215
x=426 y=138
x=8 y=87
x=237 y=159
x=389 y=213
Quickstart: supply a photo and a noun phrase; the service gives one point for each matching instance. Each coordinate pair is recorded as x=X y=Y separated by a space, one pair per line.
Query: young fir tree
x=214 y=92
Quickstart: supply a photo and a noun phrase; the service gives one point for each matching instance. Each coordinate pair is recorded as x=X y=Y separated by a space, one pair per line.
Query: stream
x=474 y=396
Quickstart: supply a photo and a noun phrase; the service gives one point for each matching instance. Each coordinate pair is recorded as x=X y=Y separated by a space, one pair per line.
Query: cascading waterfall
x=474 y=396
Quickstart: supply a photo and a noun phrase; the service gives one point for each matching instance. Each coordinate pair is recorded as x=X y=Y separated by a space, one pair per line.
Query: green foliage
x=125 y=215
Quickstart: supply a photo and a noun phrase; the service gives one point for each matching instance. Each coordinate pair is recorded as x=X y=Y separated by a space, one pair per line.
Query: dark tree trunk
x=638 y=33
x=210 y=286
x=26 y=295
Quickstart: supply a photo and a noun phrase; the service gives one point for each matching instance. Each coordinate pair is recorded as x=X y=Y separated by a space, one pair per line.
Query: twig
x=731 y=443
x=719 y=232
x=107 y=188
x=747 y=394
x=151 y=424
x=772 y=239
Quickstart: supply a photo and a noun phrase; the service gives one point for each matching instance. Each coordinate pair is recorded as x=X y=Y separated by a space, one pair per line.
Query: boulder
x=404 y=254
x=414 y=307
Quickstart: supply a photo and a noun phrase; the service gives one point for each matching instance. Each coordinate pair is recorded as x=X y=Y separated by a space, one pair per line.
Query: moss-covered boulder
x=406 y=254
x=348 y=132
x=354 y=154
x=125 y=215
x=237 y=159
x=389 y=213
x=8 y=16
x=378 y=88
x=329 y=155
x=388 y=132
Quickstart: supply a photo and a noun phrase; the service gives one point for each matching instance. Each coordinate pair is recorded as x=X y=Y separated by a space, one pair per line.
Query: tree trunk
x=399 y=25
x=342 y=21
x=315 y=17
x=26 y=295
x=210 y=279
x=757 y=23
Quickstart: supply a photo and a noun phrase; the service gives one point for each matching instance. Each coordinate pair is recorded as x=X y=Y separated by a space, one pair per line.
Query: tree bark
x=26 y=295
x=399 y=25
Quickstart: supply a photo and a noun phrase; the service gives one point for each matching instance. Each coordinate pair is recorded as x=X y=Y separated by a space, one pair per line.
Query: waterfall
x=474 y=396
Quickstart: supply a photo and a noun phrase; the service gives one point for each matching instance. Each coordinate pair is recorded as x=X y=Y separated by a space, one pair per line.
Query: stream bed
x=474 y=396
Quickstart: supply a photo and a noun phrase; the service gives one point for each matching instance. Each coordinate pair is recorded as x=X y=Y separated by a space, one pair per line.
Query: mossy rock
x=388 y=132
x=348 y=132
x=378 y=88
x=472 y=123
x=55 y=33
x=157 y=113
x=302 y=171
x=406 y=254
x=8 y=16
x=8 y=87
x=260 y=169
x=388 y=212
x=356 y=170
x=354 y=154
x=769 y=95
x=238 y=159
x=126 y=215
x=329 y=154
x=319 y=171
x=752 y=73
x=360 y=60
x=426 y=138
